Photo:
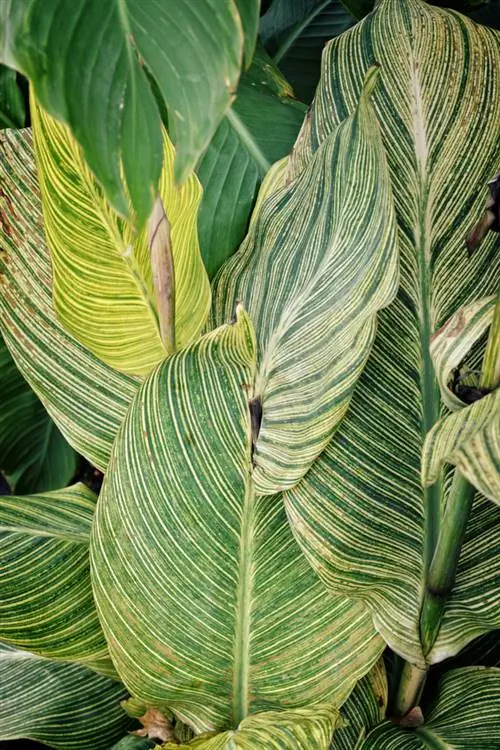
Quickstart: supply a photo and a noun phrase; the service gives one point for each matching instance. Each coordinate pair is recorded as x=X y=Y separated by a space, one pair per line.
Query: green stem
x=410 y=689
x=490 y=377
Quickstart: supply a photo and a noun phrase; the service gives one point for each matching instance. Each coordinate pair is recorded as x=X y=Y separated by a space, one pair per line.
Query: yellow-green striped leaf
x=320 y=260
x=464 y=716
x=301 y=729
x=65 y=706
x=360 y=514
x=45 y=592
x=206 y=601
x=34 y=455
x=364 y=709
x=104 y=292
x=86 y=398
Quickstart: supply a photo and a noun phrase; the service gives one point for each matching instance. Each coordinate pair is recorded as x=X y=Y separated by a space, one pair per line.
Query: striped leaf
x=258 y=631
x=302 y=729
x=465 y=716
x=193 y=55
x=33 y=454
x=360 y=514
x=364 y=709
x=318 y=263
x=104 y=293
x=65 y=706
x=45 y=592
x=86 y=398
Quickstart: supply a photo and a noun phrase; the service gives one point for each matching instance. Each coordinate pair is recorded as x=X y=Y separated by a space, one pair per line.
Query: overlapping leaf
x=33 y=454
x=86 y=398
x=65 y=706
x=178 y=520
x=103 y=280
x=364 y=709
x=320 y=259
x=302 y=729
x=360 y=514
x=259 y=129
x=464 y=716
x=12 y=107
x=46 y=598
x=89 y=62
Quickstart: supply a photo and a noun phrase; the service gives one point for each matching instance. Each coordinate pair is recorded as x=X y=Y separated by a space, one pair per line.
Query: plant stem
x=409 y=689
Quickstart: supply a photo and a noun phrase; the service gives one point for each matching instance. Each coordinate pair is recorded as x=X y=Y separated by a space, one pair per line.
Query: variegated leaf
x=45 y=592
x=103 y=290
x=178 y=520
x=86 y=398
x=363 y=710
x=301 y=729
x=463 y=717
x=320 y=260
x=360 y=514
x=65 y=706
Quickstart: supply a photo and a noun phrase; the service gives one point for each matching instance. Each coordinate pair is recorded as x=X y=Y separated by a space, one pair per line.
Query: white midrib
x=422 y=232
x=243 y=611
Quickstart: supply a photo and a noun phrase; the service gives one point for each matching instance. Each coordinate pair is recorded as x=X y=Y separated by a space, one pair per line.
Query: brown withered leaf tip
x=155 y=726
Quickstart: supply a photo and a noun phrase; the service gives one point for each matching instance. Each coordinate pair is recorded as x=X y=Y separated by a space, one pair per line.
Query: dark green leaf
x=33 y=453
x=260 y=129
x=12 y=106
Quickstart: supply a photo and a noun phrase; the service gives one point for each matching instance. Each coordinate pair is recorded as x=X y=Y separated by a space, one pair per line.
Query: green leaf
x=86 y=398
x=295 y=34
x=363 y=710
x=12 y=107
x=46 y=599
x=259 y=129
x=318 y=263
x=104 y=95
x=104 y=292
x=302 y=729
x=33 y=453
x=361 y=515
x=464 y=716
x=65 y=706
x=258 y=631
x=134 y=743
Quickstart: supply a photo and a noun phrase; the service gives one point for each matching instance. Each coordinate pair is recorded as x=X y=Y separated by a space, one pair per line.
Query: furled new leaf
x=86 y=398
x=259 y=129
x=45 y=592
x=103 y=279
x=193 y=53
x=318 y=263
x=33 y=454
x=65 y=706
x=464 y=716
x=301 y=729
x=178 y=520
x=360 y=514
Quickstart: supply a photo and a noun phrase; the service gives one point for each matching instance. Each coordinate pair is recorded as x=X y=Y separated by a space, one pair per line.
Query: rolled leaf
x=105 y=95
x=360 y=514
x=65 y=706
x=318 y=263
x=302 y=729
x=178 y=521
x=86 y=398
x=464 y=716
x=103 y=290
x=33 y=454
x=45 y=591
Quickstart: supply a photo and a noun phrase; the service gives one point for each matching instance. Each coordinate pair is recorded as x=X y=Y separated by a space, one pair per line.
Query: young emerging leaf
x=360 y=514
x=301 y=729
x=45 y=593
x=318 y=263
x=86 y=398
x=104 y=290
x=206 y=601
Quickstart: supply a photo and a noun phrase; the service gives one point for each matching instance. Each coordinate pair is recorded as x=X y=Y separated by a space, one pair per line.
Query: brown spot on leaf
x=155 y=726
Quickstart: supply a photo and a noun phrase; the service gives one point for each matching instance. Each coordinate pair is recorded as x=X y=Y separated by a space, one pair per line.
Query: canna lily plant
x=298 y=527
